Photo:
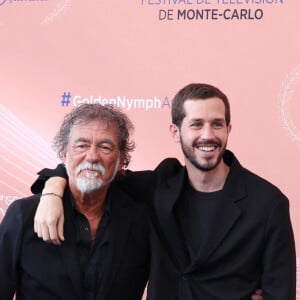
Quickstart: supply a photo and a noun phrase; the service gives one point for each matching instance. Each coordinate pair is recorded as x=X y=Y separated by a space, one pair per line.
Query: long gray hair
x=90 y=112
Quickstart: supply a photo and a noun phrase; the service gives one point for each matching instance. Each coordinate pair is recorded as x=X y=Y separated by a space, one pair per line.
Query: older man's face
x=92 y=158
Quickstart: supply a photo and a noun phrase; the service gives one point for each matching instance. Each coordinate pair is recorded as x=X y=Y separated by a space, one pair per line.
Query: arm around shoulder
x=45 y=174
x=49 y=217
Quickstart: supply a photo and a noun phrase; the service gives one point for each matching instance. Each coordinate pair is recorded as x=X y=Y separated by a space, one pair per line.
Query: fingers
x=60 y=228
x=53 y=233
x=47 y=230
x=48 y=220
x=258 y=295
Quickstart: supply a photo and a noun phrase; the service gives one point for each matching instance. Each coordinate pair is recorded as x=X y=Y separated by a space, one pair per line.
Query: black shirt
x=196 y=213
x=92 y=260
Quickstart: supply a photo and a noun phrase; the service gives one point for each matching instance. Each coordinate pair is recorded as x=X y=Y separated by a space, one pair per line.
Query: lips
x=90 y=173
x=207 y=148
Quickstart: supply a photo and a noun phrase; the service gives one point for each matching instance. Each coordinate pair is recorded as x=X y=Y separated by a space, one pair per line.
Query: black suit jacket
x=250 y=244
x=37 y=270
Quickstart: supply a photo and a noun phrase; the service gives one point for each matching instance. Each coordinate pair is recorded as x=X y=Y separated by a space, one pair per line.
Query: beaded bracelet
x=45 y=194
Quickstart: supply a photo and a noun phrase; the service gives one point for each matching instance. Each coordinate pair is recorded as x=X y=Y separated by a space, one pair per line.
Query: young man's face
x=93 y=157
x=203 y=134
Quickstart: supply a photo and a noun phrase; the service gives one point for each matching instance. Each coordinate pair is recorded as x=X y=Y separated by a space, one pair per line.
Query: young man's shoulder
x=255 y=182
x=263 y=185
x=168 y=167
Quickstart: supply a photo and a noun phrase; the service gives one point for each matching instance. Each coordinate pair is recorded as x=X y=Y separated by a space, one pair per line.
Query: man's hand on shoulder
x=49 y=217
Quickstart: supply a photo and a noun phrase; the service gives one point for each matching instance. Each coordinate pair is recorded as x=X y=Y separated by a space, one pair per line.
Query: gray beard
x=87 y=185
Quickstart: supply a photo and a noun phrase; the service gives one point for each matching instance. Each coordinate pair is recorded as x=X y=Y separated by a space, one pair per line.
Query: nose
x=93 y=155
x=207 y=132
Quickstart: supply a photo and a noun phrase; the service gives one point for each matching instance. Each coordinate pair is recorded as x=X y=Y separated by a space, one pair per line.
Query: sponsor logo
x=289 y=105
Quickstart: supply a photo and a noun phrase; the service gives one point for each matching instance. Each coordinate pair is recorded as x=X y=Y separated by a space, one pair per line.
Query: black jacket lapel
x=165 y=219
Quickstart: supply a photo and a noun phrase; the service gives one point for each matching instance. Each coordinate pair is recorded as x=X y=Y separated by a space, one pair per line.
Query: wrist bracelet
x=45 y=194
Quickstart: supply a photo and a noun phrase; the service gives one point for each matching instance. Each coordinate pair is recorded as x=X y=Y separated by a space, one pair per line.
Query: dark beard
x=193 y=161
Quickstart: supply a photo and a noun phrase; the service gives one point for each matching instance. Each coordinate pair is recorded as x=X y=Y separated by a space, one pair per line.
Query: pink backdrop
x=139 y=53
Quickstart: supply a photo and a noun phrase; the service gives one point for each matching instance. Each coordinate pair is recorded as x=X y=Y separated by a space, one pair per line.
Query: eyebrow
x=81 y=139
x=213 y=120
x=105 y=140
